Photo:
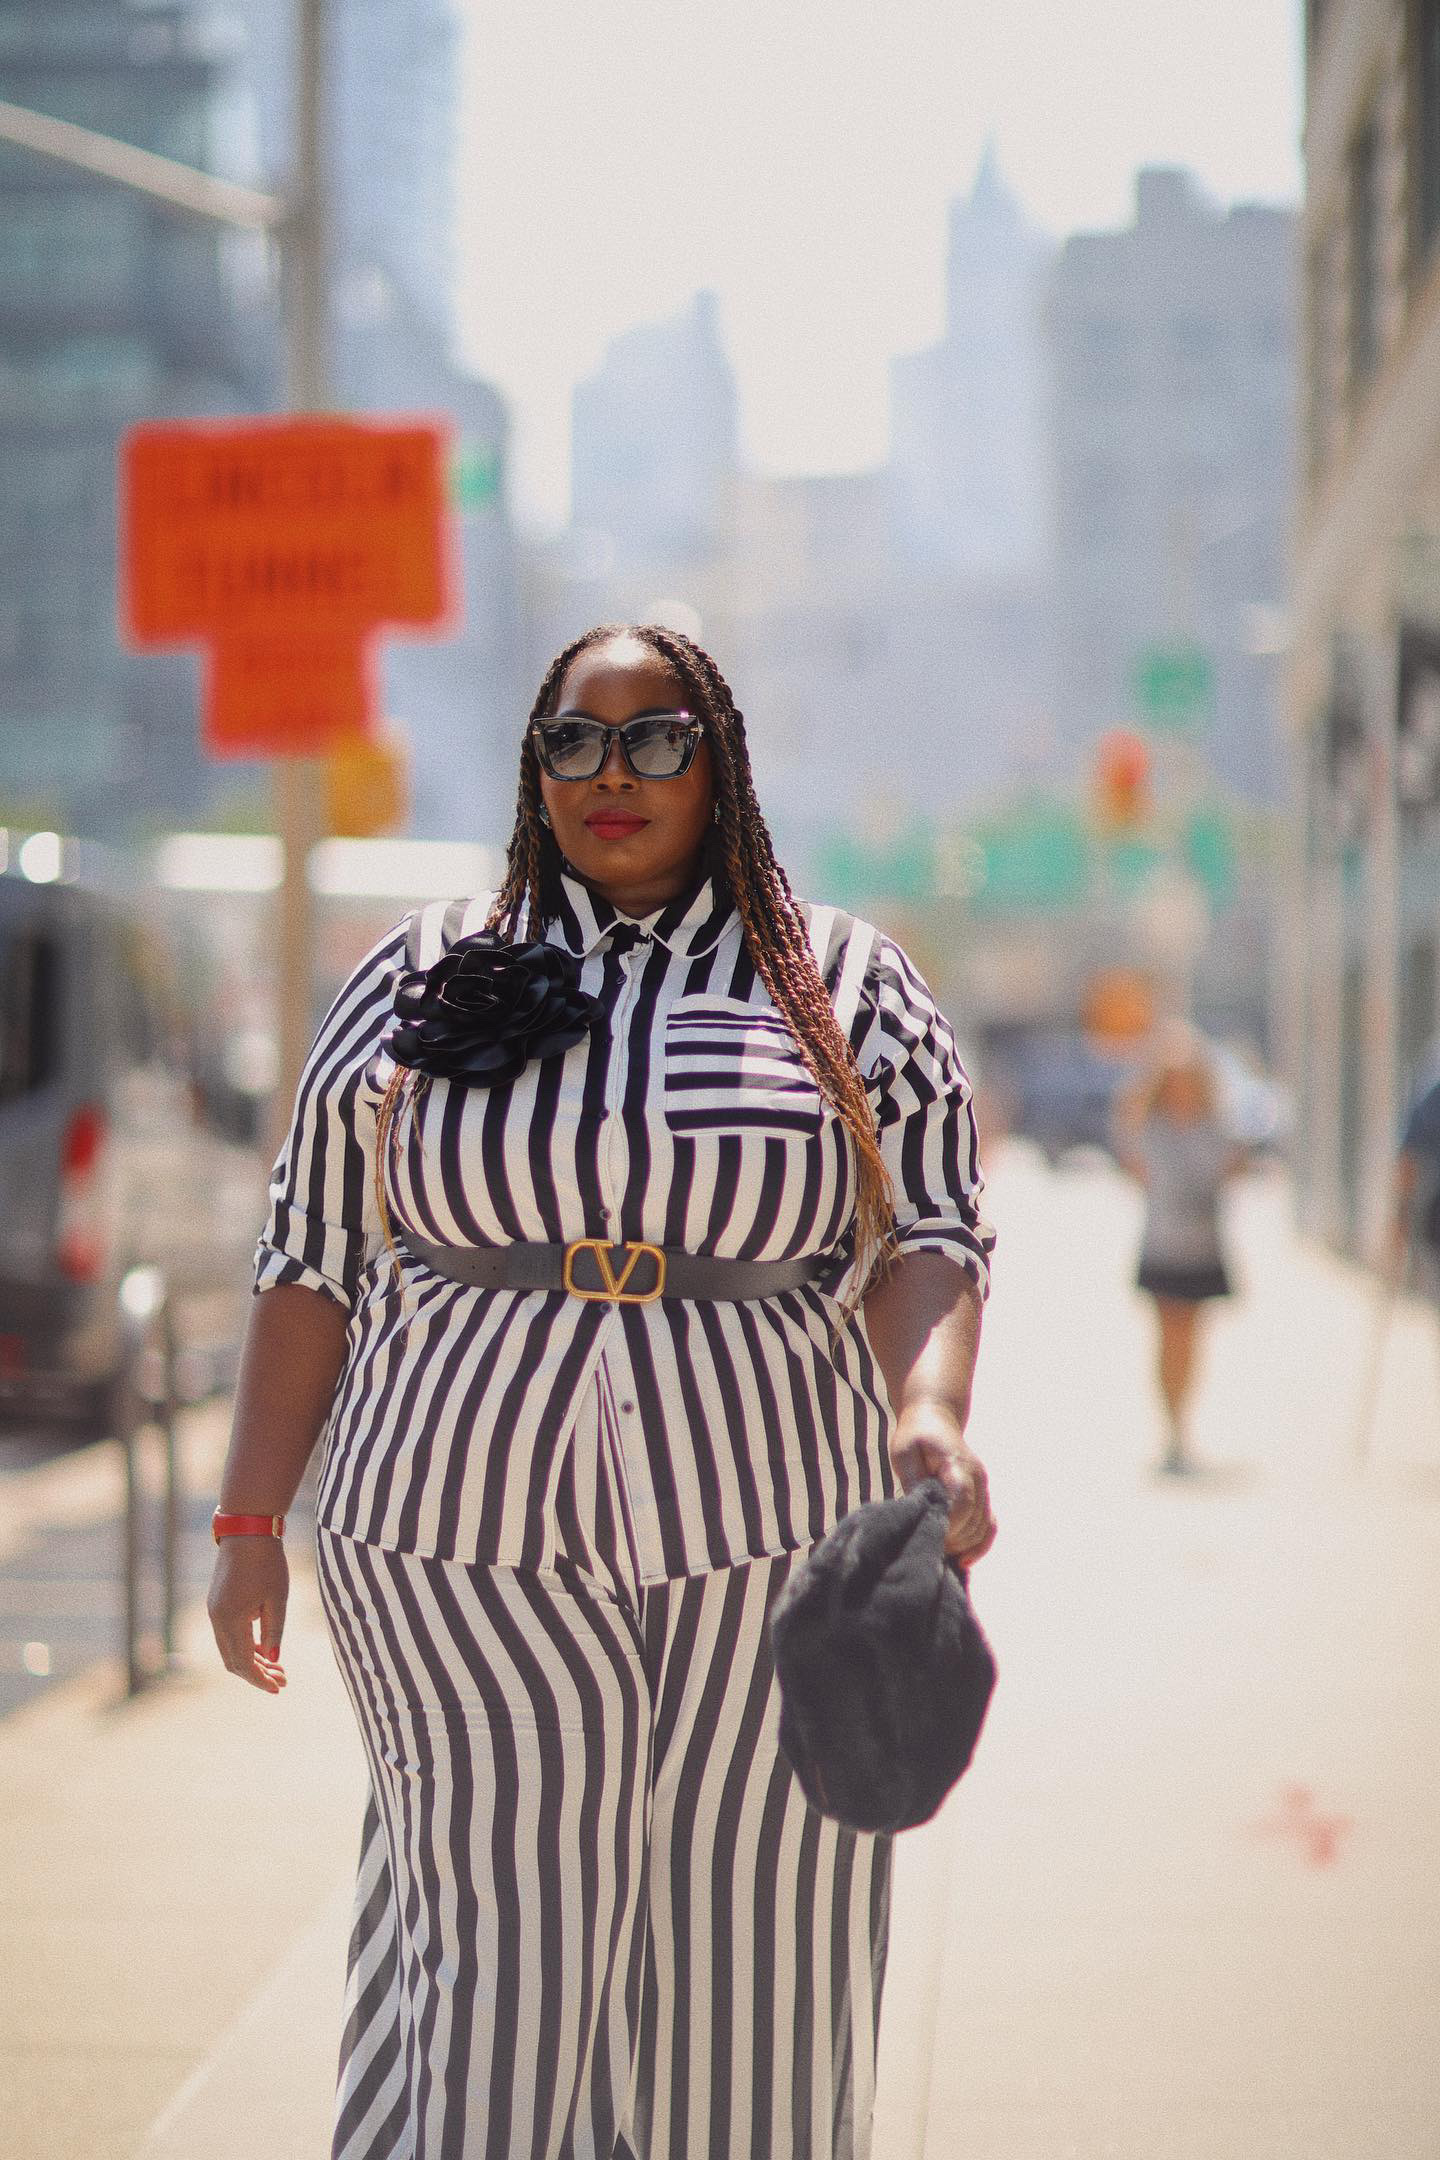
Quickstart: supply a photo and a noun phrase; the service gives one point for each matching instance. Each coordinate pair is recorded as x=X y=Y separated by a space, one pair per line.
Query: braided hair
x=770 y=916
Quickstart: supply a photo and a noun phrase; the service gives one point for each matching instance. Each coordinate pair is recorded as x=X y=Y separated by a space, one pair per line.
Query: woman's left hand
x=929 y=1441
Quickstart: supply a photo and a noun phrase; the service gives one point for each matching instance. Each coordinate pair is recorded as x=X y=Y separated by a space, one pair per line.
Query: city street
x=1185 y=1906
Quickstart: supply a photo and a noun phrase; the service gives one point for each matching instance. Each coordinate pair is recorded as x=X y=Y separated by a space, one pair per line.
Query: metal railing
x=145 y=1409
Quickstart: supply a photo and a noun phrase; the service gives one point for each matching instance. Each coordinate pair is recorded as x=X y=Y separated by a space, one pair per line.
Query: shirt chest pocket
x=730 y=1068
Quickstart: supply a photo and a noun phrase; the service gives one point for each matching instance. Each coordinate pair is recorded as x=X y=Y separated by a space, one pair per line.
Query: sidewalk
x=174 y=1888
x=1184 y=1908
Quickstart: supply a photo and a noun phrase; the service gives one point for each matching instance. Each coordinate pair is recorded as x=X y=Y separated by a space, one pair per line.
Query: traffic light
x=1122 y=782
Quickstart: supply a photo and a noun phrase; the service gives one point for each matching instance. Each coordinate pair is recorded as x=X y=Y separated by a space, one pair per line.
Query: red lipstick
x=614 y=824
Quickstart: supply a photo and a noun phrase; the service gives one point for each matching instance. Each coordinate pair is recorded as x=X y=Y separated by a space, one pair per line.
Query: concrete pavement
x=1184 y=1905
x=166 y=1867
x=1188 y=1906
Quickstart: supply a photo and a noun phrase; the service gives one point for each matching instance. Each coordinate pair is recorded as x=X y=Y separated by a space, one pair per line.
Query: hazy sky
x=798 y=156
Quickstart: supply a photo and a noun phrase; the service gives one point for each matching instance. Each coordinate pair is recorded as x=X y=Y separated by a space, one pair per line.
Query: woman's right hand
x=289 y=1370
x=248 y=1593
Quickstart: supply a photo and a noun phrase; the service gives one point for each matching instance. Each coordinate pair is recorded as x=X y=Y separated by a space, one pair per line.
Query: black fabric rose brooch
x=486 y=1008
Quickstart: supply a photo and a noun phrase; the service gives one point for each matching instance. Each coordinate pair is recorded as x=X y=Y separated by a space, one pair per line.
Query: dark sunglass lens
x=573 y=748
x=658 y=747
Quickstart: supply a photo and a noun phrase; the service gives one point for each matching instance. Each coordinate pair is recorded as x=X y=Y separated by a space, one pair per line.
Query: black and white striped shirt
x=690 y=1120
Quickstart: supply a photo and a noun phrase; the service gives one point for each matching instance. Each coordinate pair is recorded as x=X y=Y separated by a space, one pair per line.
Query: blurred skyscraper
x=392 y=96
x=654 y=441
x=1172 y=422
x=885 y=629
x=879 y=693
x=110 y=311
x=964 y=625
x=967 y=441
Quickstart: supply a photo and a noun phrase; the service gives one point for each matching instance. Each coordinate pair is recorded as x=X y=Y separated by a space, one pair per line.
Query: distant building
x=874 y=695
x=1363 y=691
x=1171 y=367
x=654 y=441
x=967 y=627
x=800 y=610
x=457 y=699
x=884 y=630
x=393 y=96
x=111 y=311
x=392 y=101
x=967 y=422
x=114 y=310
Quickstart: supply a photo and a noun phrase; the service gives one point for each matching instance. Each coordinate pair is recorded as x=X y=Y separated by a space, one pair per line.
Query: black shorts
x=1183 y=1285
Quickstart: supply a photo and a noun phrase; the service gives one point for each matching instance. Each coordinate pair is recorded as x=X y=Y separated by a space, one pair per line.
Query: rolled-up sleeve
x=926 y=1118
x=323 y=1214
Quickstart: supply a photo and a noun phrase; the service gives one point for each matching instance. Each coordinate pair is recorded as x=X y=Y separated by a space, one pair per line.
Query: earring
x=544 y=816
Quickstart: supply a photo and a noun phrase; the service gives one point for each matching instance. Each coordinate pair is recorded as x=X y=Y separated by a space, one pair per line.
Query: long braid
x=777 y=941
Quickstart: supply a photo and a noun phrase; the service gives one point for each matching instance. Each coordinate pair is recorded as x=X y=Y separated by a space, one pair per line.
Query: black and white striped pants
x=595 y=1919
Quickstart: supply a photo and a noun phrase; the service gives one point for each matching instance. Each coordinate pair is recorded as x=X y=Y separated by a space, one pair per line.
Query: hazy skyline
x=798 y=157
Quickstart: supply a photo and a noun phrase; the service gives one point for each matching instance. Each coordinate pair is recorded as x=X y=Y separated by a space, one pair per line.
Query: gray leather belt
x=631 y=1274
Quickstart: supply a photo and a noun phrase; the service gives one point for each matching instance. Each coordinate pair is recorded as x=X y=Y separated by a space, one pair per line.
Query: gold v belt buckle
x=614 y=1291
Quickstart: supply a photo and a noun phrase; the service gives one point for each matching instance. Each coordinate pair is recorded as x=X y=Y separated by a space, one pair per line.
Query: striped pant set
x=595 y=1917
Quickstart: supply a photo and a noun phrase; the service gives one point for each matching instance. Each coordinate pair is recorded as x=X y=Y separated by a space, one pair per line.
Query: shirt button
x=627 y=1409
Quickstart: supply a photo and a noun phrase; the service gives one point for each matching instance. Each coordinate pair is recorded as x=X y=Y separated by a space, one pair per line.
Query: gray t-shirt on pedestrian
x=1184 y=1177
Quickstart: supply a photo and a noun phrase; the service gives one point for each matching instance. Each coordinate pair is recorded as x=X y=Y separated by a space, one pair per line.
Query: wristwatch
x=225 y=1525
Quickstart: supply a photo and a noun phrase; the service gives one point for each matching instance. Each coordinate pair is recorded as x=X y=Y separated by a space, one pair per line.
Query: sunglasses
x=655 y=746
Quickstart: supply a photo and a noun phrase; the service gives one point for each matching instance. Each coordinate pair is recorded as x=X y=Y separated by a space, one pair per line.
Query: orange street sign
x=273 y=696
x=284 y=543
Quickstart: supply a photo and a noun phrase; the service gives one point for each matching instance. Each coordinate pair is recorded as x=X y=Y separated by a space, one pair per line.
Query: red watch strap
x=246 y=1525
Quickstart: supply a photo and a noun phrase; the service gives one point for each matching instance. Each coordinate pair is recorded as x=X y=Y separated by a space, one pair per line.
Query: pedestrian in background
x=626 y=1238
x=1170 y=1136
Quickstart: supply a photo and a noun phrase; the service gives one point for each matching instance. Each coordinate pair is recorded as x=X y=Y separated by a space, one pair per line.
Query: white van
x=107 y=1157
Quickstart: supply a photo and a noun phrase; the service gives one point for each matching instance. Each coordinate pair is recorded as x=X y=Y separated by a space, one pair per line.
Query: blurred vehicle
x=1058 y=1088
x=107 y=1159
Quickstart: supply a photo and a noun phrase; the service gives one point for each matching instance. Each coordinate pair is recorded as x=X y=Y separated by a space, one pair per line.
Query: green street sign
x=1036 y=860
x=1210 y=851
x=853 y=872
x=1132 y=863
x=475 y=476
x=1174 y=685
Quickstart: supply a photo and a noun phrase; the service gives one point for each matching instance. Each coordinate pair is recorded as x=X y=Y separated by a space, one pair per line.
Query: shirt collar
x=691 y=925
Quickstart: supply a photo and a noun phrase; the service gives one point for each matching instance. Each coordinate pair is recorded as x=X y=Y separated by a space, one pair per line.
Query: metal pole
x=300 y=221
x=128 y=1422
x=1379 y=1121
x=144 y=1327
x=1326 y=1016
x=197 y=194
x=299 y=783
x=166 y=1411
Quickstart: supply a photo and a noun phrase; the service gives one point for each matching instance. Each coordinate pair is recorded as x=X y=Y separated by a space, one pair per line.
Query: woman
x=1170 y=1137
x=579 y=1252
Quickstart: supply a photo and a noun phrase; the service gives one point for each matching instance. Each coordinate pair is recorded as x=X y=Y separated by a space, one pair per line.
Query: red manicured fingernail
x=272 y=1654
